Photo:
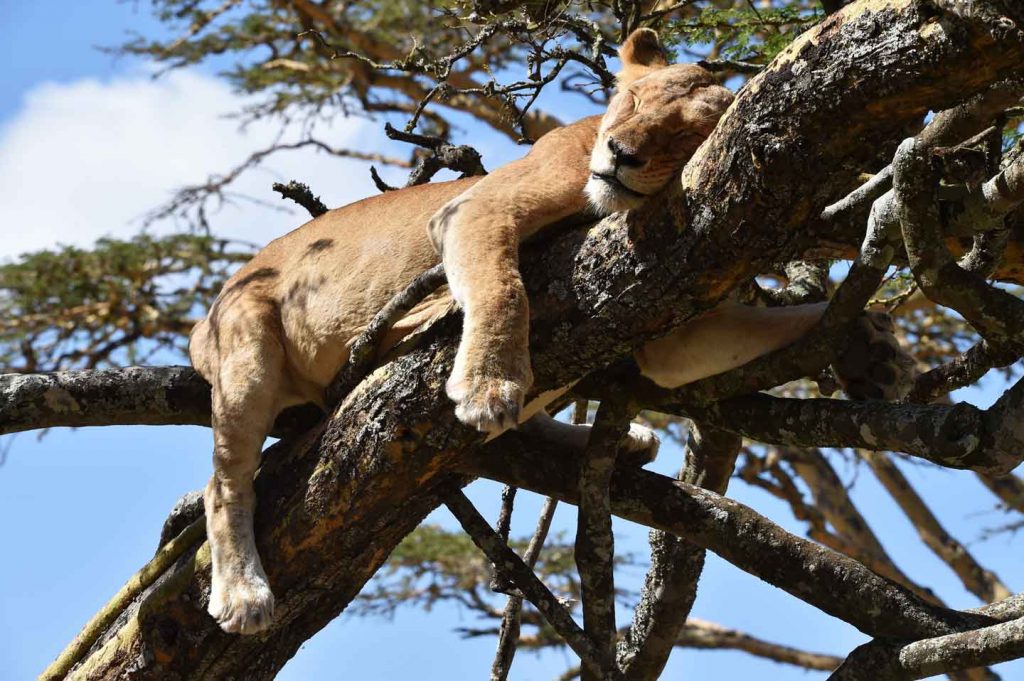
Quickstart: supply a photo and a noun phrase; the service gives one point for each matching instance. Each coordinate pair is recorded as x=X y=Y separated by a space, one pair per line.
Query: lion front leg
x=491 y=374
x=639 y=446
x=477 y=235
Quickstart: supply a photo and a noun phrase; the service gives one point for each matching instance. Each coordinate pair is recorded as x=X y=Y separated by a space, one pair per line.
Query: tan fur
x=282 y=326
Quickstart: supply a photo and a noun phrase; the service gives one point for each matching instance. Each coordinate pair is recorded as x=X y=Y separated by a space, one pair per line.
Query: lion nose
x=623 y=157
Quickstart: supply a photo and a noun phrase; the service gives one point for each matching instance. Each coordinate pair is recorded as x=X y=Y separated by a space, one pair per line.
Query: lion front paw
x=491 y=405
x=242 y=605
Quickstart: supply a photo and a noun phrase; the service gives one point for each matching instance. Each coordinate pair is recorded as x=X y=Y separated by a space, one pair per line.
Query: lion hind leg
x=873 y=365
x=725 y=338
x=248 y=380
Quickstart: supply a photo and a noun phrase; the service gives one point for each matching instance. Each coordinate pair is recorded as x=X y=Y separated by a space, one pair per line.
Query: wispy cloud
x=86 y=159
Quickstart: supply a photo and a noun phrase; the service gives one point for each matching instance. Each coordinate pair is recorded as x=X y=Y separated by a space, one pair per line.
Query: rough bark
x=594 y=548
x=955 y=436
x=129 y=396
x=920 y=659
x=670 y=586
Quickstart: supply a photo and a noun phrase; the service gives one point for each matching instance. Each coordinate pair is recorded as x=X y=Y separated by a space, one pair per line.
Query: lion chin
x=606 y=198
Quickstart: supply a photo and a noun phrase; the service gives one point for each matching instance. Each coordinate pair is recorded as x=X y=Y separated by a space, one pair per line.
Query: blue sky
x=81 y=510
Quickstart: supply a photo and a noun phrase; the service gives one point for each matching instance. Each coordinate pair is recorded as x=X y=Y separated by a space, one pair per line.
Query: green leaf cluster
x=743 y=33
x=73 y=307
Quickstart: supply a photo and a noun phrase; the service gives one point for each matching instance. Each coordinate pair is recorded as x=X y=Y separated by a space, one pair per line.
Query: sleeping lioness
x=281 y=328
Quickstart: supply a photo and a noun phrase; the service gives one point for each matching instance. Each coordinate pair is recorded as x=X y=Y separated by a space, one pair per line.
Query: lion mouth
x=614 y=181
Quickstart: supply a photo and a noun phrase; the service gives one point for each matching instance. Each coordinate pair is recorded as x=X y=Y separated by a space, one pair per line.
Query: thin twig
x=499 y=583
x=498 y=552
x=961 y=371
x=745 y=67
x=301 y=194
x=508 y=635
x=366 y=345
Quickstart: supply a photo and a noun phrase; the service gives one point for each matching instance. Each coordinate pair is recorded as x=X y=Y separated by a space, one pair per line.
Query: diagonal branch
x=506 y=560
x=983 y=583
x=508 y=634
x=961 y=371
x=301 y=194
x=826 y=579
x=832 y=498
x=364 y=348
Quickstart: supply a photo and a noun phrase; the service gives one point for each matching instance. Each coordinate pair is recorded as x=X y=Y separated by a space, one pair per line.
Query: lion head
x=658 y=117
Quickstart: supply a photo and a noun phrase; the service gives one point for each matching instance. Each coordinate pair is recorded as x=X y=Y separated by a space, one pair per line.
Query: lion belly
x=317 y=287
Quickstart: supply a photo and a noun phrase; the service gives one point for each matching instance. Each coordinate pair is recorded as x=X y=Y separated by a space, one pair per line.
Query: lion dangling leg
x=491 y=373
x=247 y=381
x=871 y=366
x=477 y=235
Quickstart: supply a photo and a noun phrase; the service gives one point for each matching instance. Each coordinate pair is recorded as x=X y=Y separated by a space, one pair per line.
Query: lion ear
x=640 y=54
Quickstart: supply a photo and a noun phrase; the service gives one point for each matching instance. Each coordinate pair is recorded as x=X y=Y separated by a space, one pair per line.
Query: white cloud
x=88 y=158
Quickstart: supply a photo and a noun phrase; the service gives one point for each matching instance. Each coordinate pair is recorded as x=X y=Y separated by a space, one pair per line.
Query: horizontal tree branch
x=826 y=579
x=130 y=396
x=950 y=653
x=955 y=436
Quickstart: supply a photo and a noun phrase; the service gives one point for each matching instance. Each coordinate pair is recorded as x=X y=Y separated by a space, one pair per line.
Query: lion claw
x=490 y=405
x=242 y=606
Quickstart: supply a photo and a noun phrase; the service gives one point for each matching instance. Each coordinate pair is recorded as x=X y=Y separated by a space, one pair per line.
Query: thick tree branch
x=129 y=396
x=955 y=436
x=952 y=652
